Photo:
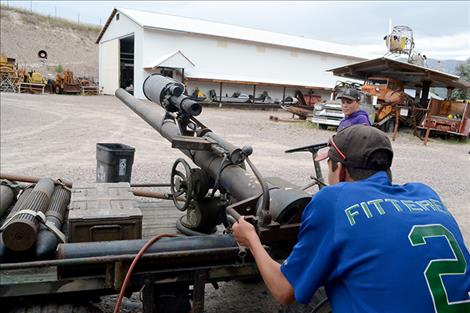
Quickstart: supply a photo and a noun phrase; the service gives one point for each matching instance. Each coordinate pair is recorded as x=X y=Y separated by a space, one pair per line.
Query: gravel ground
x=56 y=136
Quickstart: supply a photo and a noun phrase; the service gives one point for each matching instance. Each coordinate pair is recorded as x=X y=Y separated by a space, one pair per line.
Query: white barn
x=213 y=56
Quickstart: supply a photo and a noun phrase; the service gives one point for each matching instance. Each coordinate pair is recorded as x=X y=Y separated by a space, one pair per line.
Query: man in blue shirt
x=350 y=106
x=375 y=246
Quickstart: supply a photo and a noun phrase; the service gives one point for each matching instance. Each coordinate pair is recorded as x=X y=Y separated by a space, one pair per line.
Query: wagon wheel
x=181 y=184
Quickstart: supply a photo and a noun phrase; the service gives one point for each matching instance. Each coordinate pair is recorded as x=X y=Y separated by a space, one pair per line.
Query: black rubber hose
x=189 y=232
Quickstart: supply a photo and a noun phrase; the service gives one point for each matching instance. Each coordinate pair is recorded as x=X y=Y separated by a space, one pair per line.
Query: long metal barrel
x=47 y=241
x=240 y=183
x=121 y=247
x=21 y=232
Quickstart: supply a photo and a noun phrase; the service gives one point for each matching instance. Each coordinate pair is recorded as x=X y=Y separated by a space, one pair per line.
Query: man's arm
x=270 y=270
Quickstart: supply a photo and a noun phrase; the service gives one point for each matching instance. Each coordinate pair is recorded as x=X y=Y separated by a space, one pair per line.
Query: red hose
x=133 y=264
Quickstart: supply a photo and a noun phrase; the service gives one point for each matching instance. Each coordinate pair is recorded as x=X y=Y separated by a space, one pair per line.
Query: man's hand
x=244 y=232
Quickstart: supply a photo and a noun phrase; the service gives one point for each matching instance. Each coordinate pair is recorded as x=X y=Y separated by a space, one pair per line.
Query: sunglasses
x=331 y=143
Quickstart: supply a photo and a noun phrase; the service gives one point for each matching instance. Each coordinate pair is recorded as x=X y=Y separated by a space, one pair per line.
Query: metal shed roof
x=175 y=59
x=189 y=25
x=412 y=75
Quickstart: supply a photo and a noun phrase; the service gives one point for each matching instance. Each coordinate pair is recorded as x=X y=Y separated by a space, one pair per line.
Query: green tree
x=58 y=68
x=463 y=70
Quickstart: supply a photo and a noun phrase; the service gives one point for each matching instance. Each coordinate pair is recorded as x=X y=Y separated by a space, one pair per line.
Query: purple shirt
x=359 y=117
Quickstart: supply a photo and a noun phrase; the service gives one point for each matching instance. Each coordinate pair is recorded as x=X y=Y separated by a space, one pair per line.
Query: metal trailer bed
x=97 y=276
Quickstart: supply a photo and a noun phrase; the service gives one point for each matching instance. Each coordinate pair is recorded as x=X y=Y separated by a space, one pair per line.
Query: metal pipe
x=47 y=241
x=138 y=193
x=20 y=232
x=7 y=195
x=5 y=253
x=149 y=185
x=108 y=248
x=28 y=179
x=210 y=253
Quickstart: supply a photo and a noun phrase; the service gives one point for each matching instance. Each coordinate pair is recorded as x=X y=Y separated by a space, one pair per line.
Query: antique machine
x=221 y=183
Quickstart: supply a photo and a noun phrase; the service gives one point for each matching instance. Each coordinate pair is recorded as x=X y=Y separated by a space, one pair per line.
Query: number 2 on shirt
x=438 y=267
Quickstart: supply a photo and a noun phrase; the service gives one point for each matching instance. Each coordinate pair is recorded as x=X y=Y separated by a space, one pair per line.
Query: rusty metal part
x=20 y=233
x=47 y=241
x=28 y=179
x=302 y=112
x=138 y=193
x=287 y=120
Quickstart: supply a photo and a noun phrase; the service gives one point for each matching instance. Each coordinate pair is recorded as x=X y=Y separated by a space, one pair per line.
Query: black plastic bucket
x=114 y=162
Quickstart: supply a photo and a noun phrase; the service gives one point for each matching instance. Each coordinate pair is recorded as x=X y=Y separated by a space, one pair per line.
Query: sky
x=441 y=28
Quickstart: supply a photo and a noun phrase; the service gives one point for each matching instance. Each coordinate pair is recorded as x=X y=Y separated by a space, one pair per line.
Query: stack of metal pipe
x=22 y=234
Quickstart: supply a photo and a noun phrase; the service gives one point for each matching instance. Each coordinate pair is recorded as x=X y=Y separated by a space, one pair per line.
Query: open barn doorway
x=126 y=61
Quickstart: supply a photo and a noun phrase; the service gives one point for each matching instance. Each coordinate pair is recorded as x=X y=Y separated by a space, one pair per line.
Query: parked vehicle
x=380 y=86
x=329 y=113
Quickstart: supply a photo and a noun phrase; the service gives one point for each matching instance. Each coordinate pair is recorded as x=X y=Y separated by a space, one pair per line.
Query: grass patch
x=308 y=125
x=33 y=18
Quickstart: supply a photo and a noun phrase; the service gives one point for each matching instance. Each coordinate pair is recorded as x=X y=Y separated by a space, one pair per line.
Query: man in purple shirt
x=350 y=106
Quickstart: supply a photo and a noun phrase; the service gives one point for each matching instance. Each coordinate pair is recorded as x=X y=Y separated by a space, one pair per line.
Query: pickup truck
x=328 y=113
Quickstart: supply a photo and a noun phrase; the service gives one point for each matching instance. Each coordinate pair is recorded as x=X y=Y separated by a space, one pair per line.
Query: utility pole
x=78 y=18
x=55 y=12
x=31 y=5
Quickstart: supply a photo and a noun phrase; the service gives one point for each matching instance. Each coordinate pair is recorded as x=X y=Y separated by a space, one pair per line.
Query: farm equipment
x=447 y=116
x=8 y=74
x=88 y=87
x=208 y=198
x=66 y=83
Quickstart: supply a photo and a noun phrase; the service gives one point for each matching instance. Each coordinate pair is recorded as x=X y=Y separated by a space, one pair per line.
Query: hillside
x=23 y=34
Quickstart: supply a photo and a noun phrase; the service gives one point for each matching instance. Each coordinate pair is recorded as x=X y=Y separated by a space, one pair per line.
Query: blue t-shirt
x=378 y=247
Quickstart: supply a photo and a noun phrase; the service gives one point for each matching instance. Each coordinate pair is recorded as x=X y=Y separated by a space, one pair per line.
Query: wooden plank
x=159 y=217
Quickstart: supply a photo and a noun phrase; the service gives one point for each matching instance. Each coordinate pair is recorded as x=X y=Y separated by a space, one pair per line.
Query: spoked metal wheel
x=181 y=184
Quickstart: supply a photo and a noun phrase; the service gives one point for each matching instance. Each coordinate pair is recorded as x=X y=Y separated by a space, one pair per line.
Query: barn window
x=117 y=17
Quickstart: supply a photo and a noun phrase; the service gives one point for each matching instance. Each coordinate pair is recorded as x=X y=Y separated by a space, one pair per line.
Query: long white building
x=213 y=56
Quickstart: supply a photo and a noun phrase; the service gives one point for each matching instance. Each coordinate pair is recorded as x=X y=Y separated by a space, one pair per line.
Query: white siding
x=223 y=56
x=109 y=66
x=119 y=29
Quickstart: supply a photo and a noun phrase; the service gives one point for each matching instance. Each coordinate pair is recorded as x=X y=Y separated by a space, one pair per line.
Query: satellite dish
x=42 y=54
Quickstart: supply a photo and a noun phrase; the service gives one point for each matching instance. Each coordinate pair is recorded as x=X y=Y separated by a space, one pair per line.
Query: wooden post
x=254 y=93
x=284 y=95
x=449 y=92
x=426 y=137
x=424 y=97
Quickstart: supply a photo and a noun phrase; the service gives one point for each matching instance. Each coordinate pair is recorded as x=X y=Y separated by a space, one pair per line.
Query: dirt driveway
x=56 y=136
